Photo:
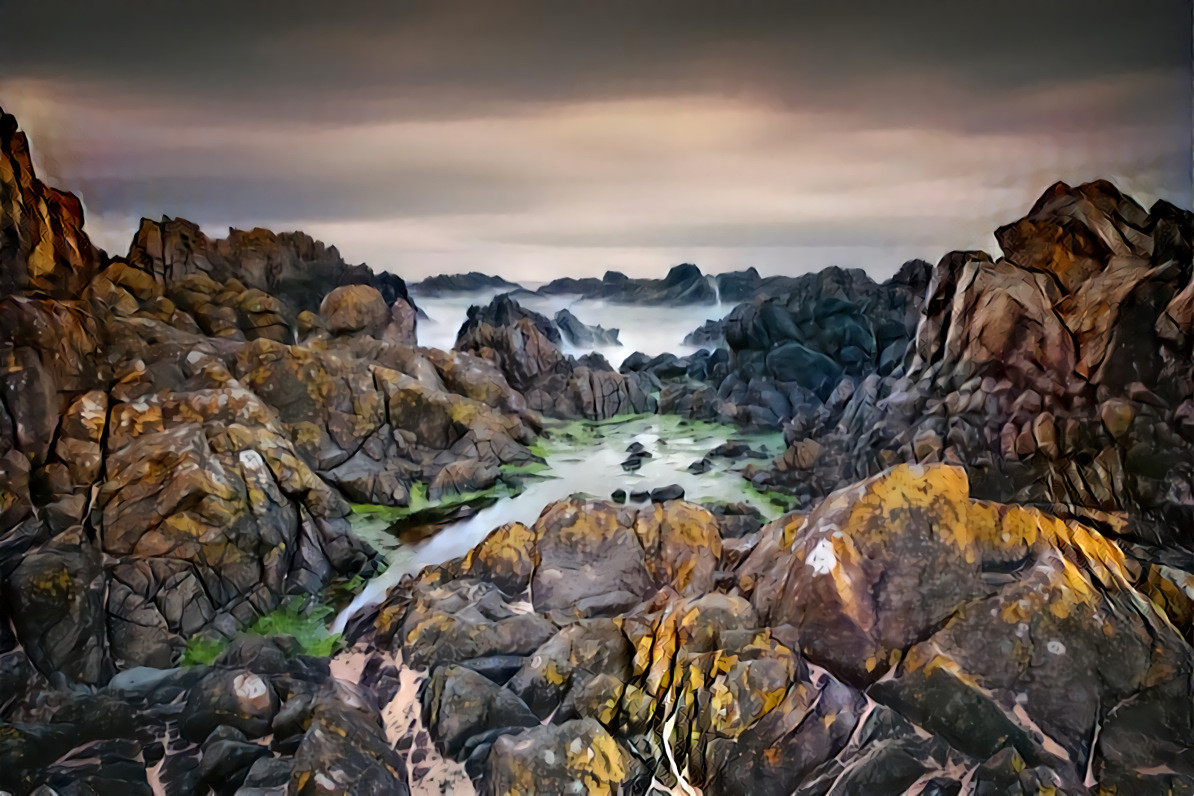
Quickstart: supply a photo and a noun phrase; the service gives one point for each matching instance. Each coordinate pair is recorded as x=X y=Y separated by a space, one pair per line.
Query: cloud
x=544 y=137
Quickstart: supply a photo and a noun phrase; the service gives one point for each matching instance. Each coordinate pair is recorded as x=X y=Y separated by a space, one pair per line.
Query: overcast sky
x=539 y=139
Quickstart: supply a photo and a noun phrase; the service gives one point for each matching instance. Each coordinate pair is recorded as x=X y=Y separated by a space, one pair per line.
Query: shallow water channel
x=581 y=458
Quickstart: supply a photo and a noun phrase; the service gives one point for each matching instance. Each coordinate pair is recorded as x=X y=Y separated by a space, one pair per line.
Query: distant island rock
x=472 y=282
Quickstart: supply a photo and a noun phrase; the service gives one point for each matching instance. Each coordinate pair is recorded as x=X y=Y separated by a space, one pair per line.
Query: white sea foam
x=653 y=330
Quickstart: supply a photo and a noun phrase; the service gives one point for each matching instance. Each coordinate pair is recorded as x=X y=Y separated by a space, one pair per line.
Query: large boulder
x=597 y=559
x=521 y=350
x=1002 y=624
x=56 y=596
x=210 y=522
x=355 y=309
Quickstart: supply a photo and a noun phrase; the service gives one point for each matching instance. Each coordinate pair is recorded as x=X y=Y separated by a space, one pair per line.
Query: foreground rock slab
x=901 y=632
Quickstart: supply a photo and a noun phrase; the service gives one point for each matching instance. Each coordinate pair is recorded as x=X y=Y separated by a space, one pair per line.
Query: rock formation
x=471 y=282
x=987 y=587
x=901 y=632
x=524 y=346
x=174 y=466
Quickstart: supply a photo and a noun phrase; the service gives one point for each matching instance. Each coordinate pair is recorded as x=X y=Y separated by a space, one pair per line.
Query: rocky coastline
x=984 y=583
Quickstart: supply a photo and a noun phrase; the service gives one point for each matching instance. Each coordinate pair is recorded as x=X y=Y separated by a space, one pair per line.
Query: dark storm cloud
x=512 y=134
x=411 y=56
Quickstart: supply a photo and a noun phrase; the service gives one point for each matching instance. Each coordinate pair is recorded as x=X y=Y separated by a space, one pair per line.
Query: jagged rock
x=580 y=335
x=1072 y=233
x=44 y=250
x=523 y=345
x=56 y=595
x=802 y=455
x=297 y=269
x=452 y=623
x=171 y=465
x=589 y=647
x=602 y=394
x=522 y=351
x=403 y=324
x=219 y=501
x=462 y=704
x=345 y=748
x=504 y=311
x=1006 y=633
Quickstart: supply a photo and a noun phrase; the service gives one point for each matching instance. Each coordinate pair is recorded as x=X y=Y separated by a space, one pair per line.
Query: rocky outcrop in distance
x=472 y=282
x=683 y=284
x=525 y=347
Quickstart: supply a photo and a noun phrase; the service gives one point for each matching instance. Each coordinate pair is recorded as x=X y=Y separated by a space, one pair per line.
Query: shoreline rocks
x=987 y=584
x=931 y=636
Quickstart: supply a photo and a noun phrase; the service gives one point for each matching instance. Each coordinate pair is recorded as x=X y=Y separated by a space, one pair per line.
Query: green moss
x=202 y=651
x=530 y=468
x=305 y=620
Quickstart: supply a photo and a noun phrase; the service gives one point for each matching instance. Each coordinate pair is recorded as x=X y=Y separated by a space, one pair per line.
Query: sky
x=544 y=138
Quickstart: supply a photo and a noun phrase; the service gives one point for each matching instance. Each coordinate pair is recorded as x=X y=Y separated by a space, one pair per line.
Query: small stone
x=665 y=493
x=1117 y=417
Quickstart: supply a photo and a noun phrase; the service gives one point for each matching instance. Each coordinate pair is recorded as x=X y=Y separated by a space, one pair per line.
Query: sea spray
x=654 y=329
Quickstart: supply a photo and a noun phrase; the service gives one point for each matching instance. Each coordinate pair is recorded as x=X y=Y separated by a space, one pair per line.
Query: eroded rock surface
x=900 y=632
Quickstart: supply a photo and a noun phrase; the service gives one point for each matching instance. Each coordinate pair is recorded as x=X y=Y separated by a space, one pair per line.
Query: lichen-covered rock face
x=172 y=467
x=900 y=632
x=578 y=757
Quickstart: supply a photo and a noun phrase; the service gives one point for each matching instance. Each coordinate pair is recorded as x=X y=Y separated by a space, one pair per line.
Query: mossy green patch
x=202 y=651
x=303 y=618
